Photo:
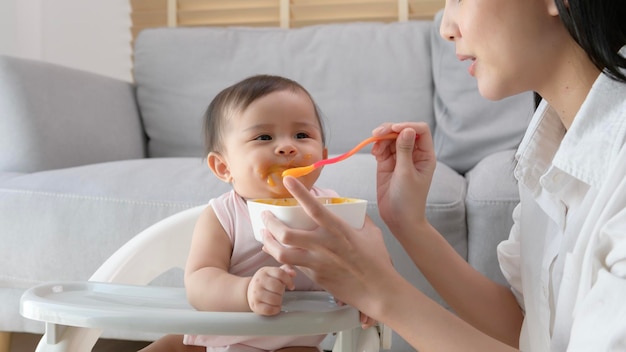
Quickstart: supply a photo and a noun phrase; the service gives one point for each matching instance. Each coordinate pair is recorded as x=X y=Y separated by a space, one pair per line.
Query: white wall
x=91 y=35
x=7 y=25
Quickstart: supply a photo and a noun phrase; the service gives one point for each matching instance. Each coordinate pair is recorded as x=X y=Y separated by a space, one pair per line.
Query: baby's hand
x=266 y=289
x=366 y=321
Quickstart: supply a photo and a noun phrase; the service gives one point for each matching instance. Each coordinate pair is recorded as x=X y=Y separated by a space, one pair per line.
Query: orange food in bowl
x=289 y=202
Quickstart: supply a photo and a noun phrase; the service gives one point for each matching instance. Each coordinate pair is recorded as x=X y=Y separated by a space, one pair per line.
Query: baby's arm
x=209 y=285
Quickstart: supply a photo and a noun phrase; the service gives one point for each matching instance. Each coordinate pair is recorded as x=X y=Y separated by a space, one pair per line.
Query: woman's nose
x=448 y=28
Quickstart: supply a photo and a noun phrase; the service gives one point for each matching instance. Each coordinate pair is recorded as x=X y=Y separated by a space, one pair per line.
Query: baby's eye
x=302 y=135
x=264 y=137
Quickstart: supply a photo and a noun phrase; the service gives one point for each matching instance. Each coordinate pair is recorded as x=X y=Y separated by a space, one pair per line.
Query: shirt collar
x=540 y=143
x=587 y=150
x=597 y=133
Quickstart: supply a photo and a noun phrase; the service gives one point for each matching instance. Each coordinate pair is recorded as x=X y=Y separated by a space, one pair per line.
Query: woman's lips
x=472 y=67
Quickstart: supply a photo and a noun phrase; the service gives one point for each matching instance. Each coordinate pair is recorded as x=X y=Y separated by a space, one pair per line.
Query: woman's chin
x=495 y=90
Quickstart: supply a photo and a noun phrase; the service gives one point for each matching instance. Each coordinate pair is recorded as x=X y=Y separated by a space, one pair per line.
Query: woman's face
x=514 y=45
x=275 y=132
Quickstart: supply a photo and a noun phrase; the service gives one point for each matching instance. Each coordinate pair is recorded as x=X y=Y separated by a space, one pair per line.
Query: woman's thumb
x=288 y=269
x=405 y=145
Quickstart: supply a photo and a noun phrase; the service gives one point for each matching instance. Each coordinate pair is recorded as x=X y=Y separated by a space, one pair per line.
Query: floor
x=21 y=342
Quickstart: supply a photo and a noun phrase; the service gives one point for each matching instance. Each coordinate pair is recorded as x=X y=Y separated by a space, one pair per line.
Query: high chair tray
x=165 y=310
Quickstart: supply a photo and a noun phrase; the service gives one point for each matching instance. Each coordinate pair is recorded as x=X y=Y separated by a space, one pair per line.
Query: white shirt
x=565 y=258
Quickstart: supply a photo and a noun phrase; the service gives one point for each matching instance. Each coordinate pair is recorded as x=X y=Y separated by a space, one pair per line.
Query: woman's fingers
x=289 y=270
x=311 y=206
x=328 y=223
x=290 y=255
x=315 y=210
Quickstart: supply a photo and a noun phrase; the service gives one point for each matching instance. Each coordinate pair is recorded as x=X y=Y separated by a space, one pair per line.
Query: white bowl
x=288 y=210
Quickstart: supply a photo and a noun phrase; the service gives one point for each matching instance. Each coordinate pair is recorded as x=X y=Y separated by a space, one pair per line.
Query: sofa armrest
x=54 y=117
x=492 y=194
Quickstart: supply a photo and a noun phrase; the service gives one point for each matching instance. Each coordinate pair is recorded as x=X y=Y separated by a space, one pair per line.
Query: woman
x=565 y=259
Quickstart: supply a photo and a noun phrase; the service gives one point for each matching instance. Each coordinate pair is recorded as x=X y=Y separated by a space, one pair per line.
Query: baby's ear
x=219 y=166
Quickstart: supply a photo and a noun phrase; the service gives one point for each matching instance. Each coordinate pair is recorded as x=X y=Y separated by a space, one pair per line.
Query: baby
x=254 y=130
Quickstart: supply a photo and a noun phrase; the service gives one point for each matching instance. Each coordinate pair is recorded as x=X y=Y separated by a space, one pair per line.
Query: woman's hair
x=236 y=98
x=599 y=27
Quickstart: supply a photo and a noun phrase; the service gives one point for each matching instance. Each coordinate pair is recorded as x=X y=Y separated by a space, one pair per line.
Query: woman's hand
x=404 y=173
x=352 y=264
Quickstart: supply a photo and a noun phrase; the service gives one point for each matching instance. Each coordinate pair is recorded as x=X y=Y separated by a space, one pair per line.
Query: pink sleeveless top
x=247 y=257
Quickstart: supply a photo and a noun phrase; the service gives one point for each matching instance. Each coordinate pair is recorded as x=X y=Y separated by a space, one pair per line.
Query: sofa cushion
x=95 y=115
x=492 y=194
x=468 y=126
x=55 y=219
x=360 y=74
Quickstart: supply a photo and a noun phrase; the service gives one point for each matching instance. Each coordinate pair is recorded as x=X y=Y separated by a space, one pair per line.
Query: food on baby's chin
x=288 y=202
x=270 y=180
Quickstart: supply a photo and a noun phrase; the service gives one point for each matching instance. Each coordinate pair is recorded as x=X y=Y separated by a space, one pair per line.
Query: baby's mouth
x=273 y=173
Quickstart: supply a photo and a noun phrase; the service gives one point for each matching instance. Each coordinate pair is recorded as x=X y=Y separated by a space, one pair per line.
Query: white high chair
x=117 y=297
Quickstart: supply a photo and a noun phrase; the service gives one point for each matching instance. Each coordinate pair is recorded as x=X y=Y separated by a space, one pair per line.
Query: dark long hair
x=599 y=27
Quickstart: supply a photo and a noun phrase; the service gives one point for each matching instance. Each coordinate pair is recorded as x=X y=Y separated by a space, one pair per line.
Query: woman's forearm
x=486 y=305
x=425 y=324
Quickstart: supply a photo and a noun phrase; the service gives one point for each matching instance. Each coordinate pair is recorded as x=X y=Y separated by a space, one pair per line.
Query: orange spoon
x=304 y=170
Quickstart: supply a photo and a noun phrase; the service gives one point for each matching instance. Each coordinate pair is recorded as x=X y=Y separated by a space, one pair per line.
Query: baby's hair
x=238 y=97
x=599 y=27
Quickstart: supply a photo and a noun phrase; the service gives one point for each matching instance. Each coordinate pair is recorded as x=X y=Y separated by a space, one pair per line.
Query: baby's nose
x=286 y=149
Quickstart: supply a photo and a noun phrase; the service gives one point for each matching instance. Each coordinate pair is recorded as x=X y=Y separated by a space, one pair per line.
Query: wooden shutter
x=274 y=13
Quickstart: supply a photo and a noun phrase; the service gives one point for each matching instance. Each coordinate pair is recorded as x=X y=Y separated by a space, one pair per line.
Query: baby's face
x=276 y=132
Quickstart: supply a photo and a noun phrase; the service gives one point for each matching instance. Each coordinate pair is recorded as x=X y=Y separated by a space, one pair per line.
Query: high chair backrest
x=155 y=250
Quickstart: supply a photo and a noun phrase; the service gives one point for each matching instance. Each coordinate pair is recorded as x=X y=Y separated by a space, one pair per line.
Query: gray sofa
x=86 y=162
